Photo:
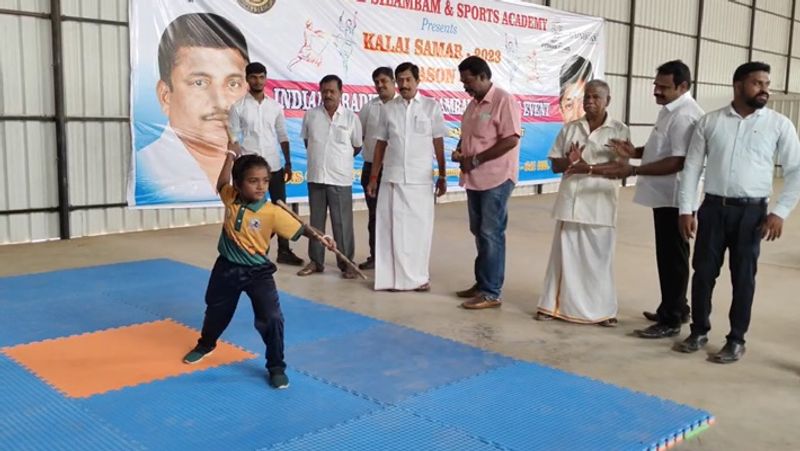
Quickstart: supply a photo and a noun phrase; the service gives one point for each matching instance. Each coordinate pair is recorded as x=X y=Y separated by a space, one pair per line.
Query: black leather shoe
x=658 y=331
x=368 y=264
x=655 y=318
x=729 y=353
x=692 y=343
x=288 y=258
x=651 y=316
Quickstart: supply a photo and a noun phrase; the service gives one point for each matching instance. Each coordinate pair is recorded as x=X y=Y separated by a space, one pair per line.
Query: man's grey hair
x=597 y=83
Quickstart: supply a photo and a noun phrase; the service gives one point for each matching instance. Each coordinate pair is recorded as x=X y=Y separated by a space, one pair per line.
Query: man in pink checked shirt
x=488 y=153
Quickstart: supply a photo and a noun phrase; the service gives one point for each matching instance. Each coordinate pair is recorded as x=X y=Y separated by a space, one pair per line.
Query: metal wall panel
x=794 y=80
x=712 y=97
x=782 y=7
x=96 y=69
x=28 y=165
x=618 y=86
x=787 y=105
x=610 y=9
x=122 y=219
x=27 y=148
x=96 y=9
x=718 y=61
x=771 y=33
x=726 y=21
x=652 y=48
x=643 y=106
x=639 y=134
x=26 y=76
x=616 y=48
x=28 y=227
x=674 y=15
x=31 y=6
x=796 y=38
x=777 y=68
x=98 y=162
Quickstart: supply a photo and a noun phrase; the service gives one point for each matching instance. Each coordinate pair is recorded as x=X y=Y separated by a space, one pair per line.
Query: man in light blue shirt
x=740 y=145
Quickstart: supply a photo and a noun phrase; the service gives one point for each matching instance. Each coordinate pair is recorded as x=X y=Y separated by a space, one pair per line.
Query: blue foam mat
x=530 y=406
x=35 y=416
x=389 y=363
x=228 y=407
x=390 y=429
x=357 y=383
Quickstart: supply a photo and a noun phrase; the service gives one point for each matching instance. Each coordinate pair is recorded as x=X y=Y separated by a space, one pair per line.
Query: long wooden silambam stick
x=319 y=237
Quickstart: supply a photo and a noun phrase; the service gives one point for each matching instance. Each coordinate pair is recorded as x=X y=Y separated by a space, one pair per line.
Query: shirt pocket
x=761 y=147
x=422 y=125
x=341 y=134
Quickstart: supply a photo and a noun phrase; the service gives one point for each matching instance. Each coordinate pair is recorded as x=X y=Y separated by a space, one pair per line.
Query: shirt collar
x=377 y=99
x=338 y=111
x=489 y=96
x=733 y=112
x=252 y=206
x=416 y=98
x=585 y=122
x=678 y=102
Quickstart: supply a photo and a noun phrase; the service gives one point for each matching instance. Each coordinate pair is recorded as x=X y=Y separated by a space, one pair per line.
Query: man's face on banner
x=205 y=83
x=571 y=103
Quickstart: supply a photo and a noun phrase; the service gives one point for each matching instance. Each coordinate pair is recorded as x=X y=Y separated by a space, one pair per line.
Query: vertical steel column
x=700 y=8
x=629 y=89
x=791 y=42
x=60 y=117
x=752 y=31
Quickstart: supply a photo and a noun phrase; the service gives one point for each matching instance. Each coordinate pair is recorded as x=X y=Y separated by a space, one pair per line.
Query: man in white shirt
x=739 y=144
x=260 y=122
x=579 y=283
x=410 y=133
x=370 y=115
x=657 y=188
x=201 y=62
x=332 y=135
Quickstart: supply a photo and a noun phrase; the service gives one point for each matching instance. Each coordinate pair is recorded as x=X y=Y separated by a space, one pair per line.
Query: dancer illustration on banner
x=525 y=64
x=314 y=44
x=344 y=41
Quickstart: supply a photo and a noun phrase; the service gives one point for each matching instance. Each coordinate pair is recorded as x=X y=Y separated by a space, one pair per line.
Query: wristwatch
x=475 y=161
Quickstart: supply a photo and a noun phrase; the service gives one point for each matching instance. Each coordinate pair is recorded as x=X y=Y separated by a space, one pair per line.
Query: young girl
x=243 y=265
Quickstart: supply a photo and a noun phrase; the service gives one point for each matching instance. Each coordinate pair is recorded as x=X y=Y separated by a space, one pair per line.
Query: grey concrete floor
x=756 y=401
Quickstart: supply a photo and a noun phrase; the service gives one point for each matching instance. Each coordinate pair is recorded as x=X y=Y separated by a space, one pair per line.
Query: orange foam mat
x=84 y=365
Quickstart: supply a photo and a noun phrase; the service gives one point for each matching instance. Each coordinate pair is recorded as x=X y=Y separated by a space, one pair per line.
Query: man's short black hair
x=255 y=68
x=383 y=70
x=575 y=69
x=679 y=70
x=407 y=66
x=476 y=66
x=748 y=68
x=197 y=30
x=329 y=78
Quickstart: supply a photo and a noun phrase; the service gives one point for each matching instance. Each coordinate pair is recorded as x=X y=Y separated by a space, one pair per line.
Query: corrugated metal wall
x=96 y=101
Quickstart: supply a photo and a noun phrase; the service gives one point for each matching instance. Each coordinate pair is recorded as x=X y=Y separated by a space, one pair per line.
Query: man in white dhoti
x=579 y=284
x=410 y=132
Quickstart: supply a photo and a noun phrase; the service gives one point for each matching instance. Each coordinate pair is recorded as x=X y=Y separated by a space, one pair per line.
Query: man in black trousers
x=740 y=144
x=370 y=115
x=657 y=188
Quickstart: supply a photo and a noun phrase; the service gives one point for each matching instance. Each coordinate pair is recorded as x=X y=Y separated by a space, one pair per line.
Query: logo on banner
x=257 y=6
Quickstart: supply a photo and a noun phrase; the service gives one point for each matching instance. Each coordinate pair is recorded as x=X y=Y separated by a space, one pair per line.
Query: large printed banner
x=188 y=59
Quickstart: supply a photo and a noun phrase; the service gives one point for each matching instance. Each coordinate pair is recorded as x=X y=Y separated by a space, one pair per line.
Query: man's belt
x=736 y=201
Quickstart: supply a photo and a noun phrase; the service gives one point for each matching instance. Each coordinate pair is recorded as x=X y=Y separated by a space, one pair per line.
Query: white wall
x=96 y=76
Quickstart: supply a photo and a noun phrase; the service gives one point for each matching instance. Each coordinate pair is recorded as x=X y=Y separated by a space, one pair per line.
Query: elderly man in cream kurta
x=579 y=284
x=410 y=133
